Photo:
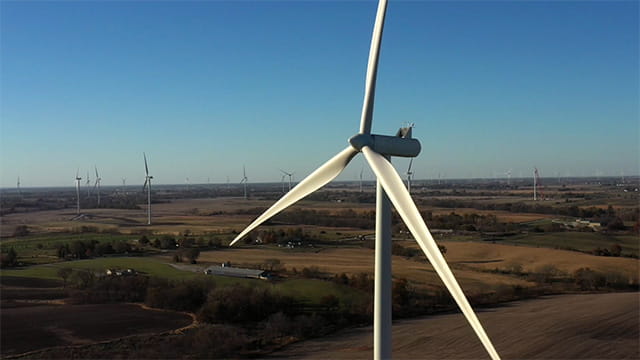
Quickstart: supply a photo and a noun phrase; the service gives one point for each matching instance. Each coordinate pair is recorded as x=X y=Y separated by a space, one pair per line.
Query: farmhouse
x=236 y=272
x=119 y=272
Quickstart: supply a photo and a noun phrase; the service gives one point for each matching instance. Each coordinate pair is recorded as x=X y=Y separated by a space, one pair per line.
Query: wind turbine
x=535 y=184
x=20 y=191
x=78 y=178
x=409 y=174
x=289 y=175
x=88 y=185
x=124 y=185
x=97 y=184
x=244 y=181
x=361 y=171
x=508 y=173
x=282 y=183
x=377 y=150
x=147 y=185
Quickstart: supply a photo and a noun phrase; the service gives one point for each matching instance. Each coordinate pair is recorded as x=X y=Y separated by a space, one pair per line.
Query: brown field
x=598 y=326
x=197 y=215
x=490 y=256
x=504 y=216
x=29 y=328
x=358 y=260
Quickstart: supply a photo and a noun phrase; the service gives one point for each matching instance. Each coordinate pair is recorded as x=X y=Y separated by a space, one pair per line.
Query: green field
x=146 y=265
x=42 y=248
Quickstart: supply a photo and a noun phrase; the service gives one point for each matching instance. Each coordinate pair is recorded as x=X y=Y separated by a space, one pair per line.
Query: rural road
x=592 y=326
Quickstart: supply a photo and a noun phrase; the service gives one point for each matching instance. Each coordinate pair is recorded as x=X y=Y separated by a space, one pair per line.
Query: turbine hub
x=387 y=145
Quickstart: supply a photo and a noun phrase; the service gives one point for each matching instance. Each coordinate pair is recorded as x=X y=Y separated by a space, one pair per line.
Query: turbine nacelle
x=387 y=145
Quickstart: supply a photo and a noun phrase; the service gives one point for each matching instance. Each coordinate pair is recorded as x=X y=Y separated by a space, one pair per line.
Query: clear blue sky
x=205 y=87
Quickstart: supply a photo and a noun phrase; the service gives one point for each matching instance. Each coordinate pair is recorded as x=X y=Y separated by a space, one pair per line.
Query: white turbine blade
x=146 y=168
x=410 y=163
x=372 y=70
x=317 y=179
x=97 y=176
x=401 y=199
x=145 y=184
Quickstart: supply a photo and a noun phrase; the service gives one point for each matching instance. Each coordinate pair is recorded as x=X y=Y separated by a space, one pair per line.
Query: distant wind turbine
x=88 y=185
x=97 y=184
x=361 y=172
x=124 y=185
x=409 y=174
x=20 y=191
x=78 y=178
x=377 y=150
x=147 y=185
x=244 y=181
x=289 y=175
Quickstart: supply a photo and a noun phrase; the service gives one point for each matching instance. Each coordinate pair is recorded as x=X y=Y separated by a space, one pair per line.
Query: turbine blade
x=401 y=199
x=372 y=69
x=145 y=184
x=324 y=174
x=97 y=176
x=146 y=168
x=410 y=163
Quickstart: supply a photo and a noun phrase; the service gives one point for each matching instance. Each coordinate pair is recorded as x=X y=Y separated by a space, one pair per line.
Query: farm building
x=236 y=272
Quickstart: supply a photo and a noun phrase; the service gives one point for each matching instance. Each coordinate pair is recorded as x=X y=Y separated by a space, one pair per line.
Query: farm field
x=144 y=265
x=497 y=258
x=29 y=328
x=596 y=326
x=353 y=261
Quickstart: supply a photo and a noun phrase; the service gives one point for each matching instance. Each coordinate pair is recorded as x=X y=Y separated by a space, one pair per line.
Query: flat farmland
x=489 y=256
x=504 y=216
x=358 y=260
x=594 y=326
x=38 y=327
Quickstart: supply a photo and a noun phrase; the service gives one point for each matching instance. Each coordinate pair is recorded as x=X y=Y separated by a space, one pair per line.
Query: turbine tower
x=78 y=178
x=88 y=185
x=282 y=182
x=147 y=185
x=409 y=174
x=535 y=184
x=244 y=181
x=20 y=191
x=289 y=175
x=97 y=184
x=124 y=184
x=377 y=150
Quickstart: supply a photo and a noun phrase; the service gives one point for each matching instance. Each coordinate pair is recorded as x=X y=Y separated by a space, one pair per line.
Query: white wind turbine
x=409 y=175
x=289 y=175
x=377 y=150
x=361 y=172
x=78 y=178
x=147 y=185
x=97 y=184
x=244 y=181
x=88 y=185
x=20 y=191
